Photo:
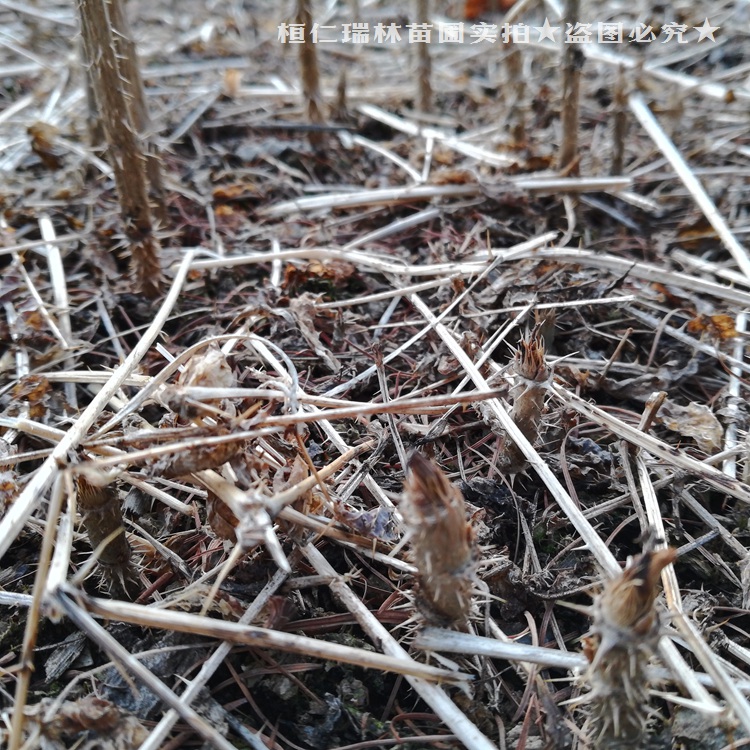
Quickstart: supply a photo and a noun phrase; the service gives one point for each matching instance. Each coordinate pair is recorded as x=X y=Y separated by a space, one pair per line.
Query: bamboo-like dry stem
x=710 y=474
x=377 y=227
x=410 y=194
x=451 y=641
x=385 y=264
x=233 y=632
x=135 y=92
x=93 y=121
x=450 y=140
x=433 y=695
x=32 y=619
x=646 y=271
x=160 y=732
x=701 y=197
x=124 y=659
x=589 y=535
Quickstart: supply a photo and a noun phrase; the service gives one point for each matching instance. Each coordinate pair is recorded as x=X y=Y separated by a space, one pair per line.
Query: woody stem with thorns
x=118 y=119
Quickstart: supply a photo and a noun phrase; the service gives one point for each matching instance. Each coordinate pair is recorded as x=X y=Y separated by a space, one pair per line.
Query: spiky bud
x=623 y=636
x=435 y=515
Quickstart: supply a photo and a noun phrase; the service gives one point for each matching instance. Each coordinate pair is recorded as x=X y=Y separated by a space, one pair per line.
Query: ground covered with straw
x=204 y=531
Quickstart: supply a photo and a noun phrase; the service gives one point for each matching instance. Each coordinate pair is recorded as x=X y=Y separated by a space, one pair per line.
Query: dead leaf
x=199 y=456
x=42 y=136
x=34 y=390
x=331 y=269
x=474 y=9
x=695 y=421
x=88 y=722
x=231 y=83
x=376 y=523
x=220 y=518
x=237 y=192
x=206 y=369
x=717 y=326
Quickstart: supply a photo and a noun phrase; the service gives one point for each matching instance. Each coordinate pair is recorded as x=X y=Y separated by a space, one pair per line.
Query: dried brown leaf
x=720 y=327
x=696 y=421
x=88 y=722
x=220 y=518
x=42 y=136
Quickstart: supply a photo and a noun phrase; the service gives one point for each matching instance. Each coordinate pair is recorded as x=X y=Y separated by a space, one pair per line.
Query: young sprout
x=442 y=542
x=624 y=634
x=102 y=519
x=532 y=375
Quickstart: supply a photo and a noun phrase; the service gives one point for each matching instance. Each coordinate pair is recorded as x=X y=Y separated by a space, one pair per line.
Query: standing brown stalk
x=572 y=64
x=620 y=126
x=127 y=58
x=93 y=121
x=424 y=64
x=117 y=111
x=309 y=73
x=516 y=87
